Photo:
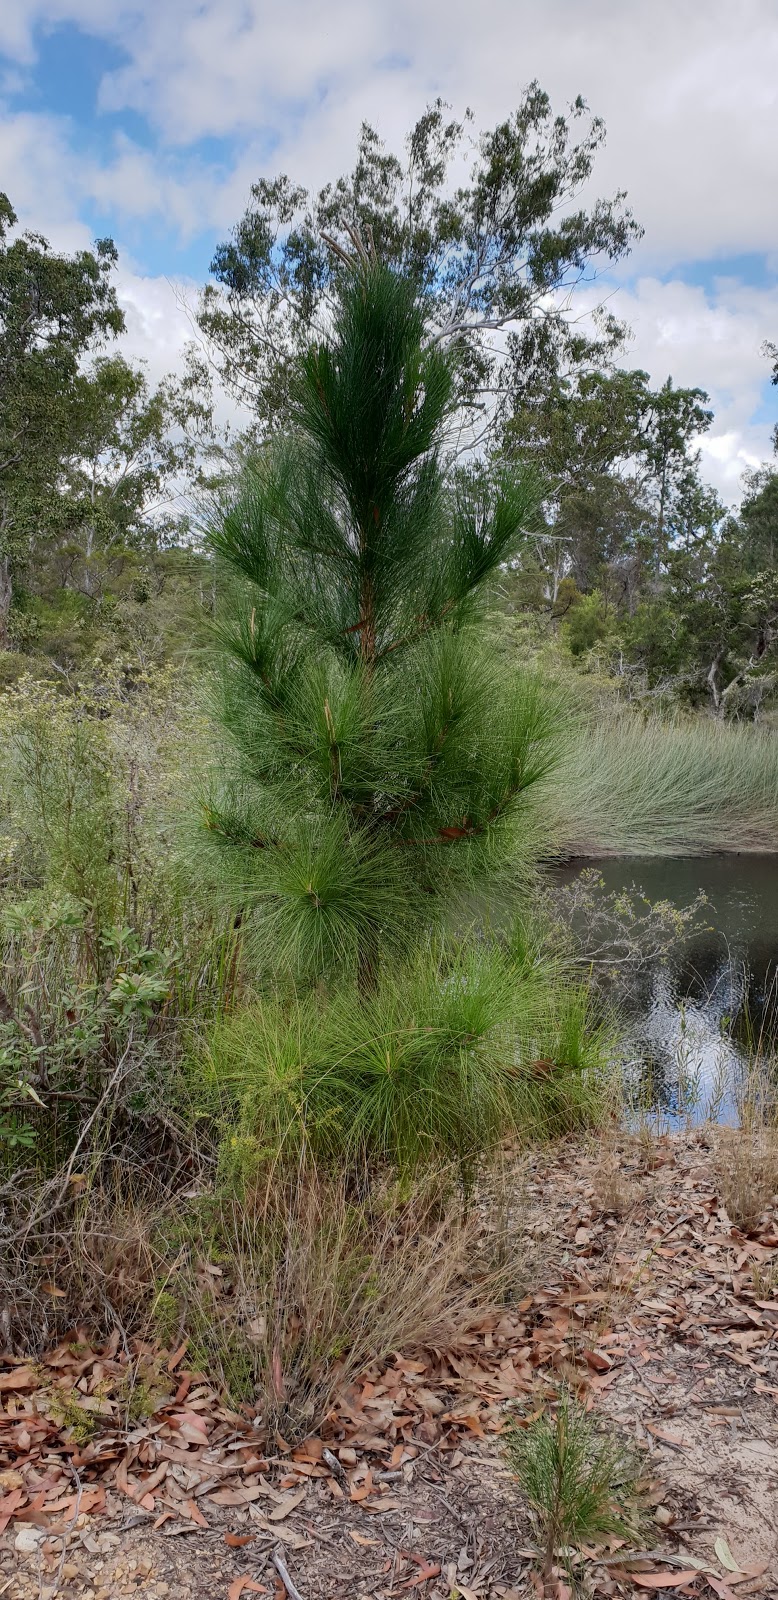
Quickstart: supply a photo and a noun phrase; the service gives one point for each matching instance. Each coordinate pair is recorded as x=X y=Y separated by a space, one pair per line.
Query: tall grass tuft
x=314 y=1280
x=632 y=787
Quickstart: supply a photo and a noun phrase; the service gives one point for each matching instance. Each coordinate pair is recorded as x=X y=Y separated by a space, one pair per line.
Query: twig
x=334 y=1464
x=673 y=1225
x=447 y=1503
x=283 y=1573
x=627 y=1557
x=67 y=1530
x=108 y=1090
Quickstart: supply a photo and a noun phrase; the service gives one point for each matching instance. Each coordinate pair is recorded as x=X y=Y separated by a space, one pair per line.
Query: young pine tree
x=385 y=751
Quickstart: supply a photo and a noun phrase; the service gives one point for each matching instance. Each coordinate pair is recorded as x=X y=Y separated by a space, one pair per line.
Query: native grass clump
x=388 y=766
x=647 y=786
x=103 y=953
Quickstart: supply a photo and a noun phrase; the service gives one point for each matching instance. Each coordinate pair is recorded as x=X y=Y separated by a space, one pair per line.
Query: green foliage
x=92 y=461
x=385 y=750
x=105 y=953
x=438 y=1061
x=494 y=255
x=53 y=310
x=579 y=1481
x=588 y=623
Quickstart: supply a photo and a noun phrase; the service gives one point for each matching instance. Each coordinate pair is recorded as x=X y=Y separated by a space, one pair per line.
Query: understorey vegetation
x=254 y=1020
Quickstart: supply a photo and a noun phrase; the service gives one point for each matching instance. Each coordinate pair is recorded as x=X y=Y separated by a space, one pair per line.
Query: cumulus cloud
x=712 y=338
x=688 y=93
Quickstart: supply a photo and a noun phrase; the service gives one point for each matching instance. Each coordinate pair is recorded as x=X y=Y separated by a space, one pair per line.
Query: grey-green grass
x=628 y=786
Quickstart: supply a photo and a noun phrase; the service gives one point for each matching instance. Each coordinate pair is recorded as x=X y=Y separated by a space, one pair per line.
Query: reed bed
x=629 y=787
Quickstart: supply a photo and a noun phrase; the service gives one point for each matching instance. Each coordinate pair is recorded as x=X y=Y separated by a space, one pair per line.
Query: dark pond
x=695 y=1021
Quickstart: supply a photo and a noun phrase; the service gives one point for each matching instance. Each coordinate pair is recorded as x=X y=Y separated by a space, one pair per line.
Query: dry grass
x=320 y=1283
x=285 y=1294
x=615 y=1193
x=746 y=1168
x=79 y=1251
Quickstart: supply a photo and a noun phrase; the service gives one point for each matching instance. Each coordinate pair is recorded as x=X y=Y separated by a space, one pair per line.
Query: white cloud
x=689 y=94
x=688 y=91
x=157 y=323
x=712 y=339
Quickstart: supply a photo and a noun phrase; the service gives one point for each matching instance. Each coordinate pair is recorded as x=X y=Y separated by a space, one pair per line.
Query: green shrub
x=106 y=952
x=580 y=1481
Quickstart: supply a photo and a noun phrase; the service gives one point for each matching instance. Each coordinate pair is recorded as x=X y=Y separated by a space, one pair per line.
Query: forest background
x=635 y=568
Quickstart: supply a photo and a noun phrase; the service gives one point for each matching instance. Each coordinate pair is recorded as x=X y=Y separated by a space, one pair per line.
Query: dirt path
x=661 y=1313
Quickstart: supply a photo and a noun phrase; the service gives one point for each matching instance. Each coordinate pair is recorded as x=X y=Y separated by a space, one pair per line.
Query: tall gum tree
x=492 y=228
x=54 y=310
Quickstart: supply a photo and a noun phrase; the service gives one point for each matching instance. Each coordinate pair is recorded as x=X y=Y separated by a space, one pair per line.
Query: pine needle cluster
x=434 y=1063
x=384 y=752
x=579 y=1480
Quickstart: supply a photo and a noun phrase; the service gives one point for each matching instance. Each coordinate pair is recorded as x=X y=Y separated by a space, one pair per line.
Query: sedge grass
x=632 y=787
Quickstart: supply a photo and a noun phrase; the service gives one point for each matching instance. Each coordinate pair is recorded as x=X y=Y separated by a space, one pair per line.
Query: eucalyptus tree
x=621 y=463
x=54 y=310
x=492 y=229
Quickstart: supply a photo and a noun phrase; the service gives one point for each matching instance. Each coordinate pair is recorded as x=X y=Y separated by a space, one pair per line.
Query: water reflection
x=696 y=1020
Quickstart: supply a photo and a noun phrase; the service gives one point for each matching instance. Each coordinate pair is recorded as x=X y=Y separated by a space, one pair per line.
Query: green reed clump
x=649 y=787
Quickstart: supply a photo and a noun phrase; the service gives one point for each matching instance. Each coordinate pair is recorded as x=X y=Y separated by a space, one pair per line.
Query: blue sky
x=149 y=119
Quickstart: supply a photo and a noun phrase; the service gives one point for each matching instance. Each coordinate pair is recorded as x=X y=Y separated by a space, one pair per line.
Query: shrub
x=105 y=953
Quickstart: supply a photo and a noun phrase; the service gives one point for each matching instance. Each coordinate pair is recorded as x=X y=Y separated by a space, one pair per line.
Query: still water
x=695 y=1020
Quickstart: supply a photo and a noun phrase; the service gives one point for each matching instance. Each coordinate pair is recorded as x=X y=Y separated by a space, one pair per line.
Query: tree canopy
x=492 y=229
x=54 y=309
